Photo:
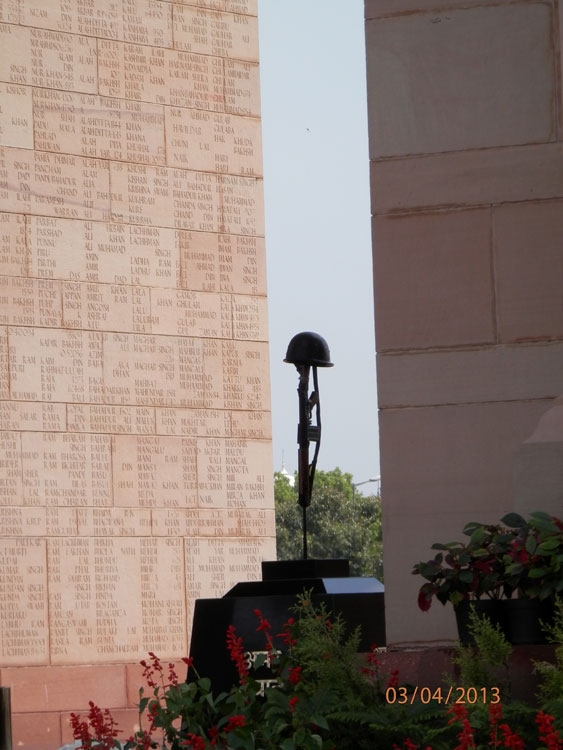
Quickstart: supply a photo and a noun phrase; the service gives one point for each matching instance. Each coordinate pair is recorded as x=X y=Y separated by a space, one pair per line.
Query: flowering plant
x=319 y=675
x=514 y=556
x=471 y=570
x=534 y=560
x=329 y=697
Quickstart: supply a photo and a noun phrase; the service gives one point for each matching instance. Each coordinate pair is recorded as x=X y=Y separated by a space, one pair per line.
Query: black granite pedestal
x=360 y=601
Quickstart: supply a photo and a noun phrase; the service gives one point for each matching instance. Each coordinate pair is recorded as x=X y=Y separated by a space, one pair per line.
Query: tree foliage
x=337 y=524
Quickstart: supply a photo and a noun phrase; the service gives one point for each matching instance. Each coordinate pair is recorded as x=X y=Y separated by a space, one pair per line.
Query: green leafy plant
x=513 y=556
x=462 y=571
x=330 y=697
x=534 y=561
x=484 y=664
x=550 y=691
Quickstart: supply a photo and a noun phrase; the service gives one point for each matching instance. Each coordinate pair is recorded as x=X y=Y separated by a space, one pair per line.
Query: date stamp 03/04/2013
x=440 y=695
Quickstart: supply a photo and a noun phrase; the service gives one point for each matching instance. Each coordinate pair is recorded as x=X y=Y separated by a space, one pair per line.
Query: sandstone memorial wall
x=135 y=455
x=466 y=150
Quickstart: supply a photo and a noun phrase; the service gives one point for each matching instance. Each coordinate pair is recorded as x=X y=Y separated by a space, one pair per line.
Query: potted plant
x=473 y=572
x=510 y=571
x=534 y=569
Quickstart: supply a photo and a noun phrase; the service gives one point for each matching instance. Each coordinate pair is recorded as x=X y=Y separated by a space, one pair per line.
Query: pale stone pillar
x=467 y=199
x=135 y=470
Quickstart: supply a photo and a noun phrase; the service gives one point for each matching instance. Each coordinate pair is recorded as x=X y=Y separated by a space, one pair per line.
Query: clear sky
x=318 y=243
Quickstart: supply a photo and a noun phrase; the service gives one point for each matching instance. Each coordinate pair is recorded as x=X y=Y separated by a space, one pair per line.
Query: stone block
x=103 y=252
x=130 y=615
x=56 y=185
x=37 y=731
x=500 y=373
x=222 y=262
x=66 y=469
x=499 y=57
x=467 y=178
x=16 y=120
x=433 y=280
x=65 y=688
x=23 y=592
x=460 y=461
x=98 y=127
x=384 y=8
x=529 y=269
x=233 y=143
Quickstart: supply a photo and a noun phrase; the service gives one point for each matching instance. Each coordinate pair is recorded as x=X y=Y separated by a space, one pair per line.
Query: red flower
x=511 y=740
x=495 y=715
x=263 y=624
x=195 y=741
x=213 y=734
x=235 y=721
x=286 y=635
x=292 y=702
x=236 y=651
x=424 y=601
x=295 y=675
x=266 y=627
x=393 y=679
x=548 y=734
x=465 y=737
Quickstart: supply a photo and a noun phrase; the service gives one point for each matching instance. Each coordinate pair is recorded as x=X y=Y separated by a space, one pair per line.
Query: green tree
x=337 y=525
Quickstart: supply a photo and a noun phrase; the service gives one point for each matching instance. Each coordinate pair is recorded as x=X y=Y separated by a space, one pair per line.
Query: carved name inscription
x=54 y=184
x=103 y=252
x=55 y=365
x=155 y=471
x=13 y=248
x=16 y=121
x=139 y=21
x=23 y=602
x=114 y=599
x=213 y=566
x=222 y=262
x=197 y=139
x=66 y=469
x=99 y=127
x=35 y=57
x=221 y=34
x=30 y=302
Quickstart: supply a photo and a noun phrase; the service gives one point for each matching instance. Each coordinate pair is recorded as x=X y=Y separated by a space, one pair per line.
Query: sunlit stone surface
x=134 y=385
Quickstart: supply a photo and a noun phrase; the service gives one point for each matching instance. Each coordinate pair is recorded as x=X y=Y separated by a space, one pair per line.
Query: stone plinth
x=134 y=383
x=467 y=201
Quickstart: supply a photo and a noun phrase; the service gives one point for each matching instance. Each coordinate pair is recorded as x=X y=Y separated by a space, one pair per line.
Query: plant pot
x=523 y=620
x=494 y=609
x=519 y=619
